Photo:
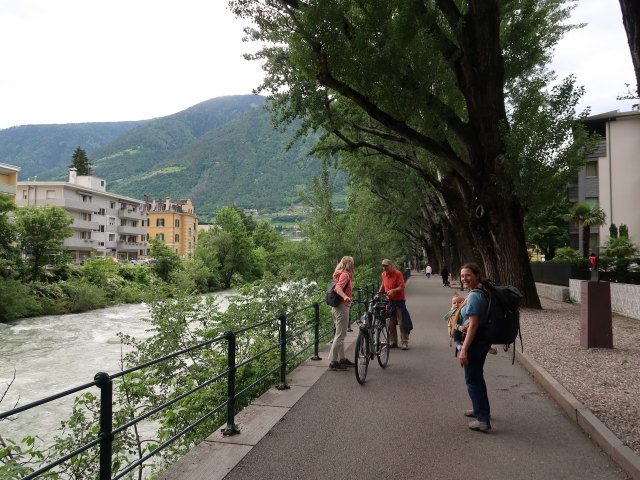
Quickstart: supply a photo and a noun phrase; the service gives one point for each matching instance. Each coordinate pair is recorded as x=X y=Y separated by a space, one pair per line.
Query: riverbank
x=607 y=381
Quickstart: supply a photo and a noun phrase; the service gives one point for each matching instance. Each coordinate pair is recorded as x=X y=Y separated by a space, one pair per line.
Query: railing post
x=359 y=305
x=283 y=353
x=105 y=385
x=231 y=428
x=316 y=332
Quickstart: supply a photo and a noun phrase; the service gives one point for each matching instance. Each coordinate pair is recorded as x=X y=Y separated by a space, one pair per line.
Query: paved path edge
x=626 y=458
x=216 y=456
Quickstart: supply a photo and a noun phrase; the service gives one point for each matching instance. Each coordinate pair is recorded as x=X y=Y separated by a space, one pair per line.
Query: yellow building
x=174 y=223
x=9 y=179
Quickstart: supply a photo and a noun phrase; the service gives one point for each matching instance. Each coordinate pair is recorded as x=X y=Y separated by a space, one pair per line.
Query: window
x=160 y=236
x=159 y=222
x=112 y=204
x=86 y=198
x=177 y=223
x=24 y=194
x=123 y=222
x=86 y=217
x=101 y=228
x=176 y=238
x=112 y=237
x=189 y=231
x=592 y=202
x=102 y=183
x=112 y=221
x=101 y=244
x=101 y=211
x=51 y=194
x=85 y=235
x=591 y=170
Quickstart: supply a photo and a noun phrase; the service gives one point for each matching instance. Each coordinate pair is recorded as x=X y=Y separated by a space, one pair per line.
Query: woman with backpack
x=343 y=274
x=474 y=349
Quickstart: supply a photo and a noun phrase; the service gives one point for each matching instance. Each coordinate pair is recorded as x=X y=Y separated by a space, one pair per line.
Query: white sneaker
x=405 y=346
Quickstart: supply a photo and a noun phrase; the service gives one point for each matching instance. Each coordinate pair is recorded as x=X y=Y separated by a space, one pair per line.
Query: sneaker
x=470 y=413
x=337 y=366
x=393 y=345
x=405 y=346
x=493 y=351
x=479 y=426
x=347 y=363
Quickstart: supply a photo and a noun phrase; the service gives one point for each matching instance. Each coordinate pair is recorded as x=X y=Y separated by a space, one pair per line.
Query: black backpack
x=501 y=322
x=332 y=298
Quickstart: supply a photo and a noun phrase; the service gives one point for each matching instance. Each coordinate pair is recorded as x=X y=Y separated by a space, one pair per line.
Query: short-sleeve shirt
x=395 y=279
x=476 y=304
x=344 y=282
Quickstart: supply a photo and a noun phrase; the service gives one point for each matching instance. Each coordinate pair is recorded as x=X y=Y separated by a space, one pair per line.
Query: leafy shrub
x=567 y=253
x=16 y=301
x=98 y=269
x=83 y=296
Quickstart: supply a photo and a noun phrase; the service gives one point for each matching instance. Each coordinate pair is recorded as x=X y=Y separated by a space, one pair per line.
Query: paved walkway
x=405 y=422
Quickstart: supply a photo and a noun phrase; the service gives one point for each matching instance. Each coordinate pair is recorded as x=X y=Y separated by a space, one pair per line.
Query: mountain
x=218 y=152
x=38 y=148
x=244 y=161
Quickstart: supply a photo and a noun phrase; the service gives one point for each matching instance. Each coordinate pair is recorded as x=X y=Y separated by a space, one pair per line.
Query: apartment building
x=8 y=179
x=611 y=177
x=174 y=223
x=104 y=224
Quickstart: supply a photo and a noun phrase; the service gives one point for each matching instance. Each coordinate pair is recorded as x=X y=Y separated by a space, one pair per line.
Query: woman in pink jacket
x=344 y=275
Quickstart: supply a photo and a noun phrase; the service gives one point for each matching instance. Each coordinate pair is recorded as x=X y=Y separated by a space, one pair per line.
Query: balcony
x=128 y=230
x=131 y=214
x=68 y=204
x=75 y=243
x=84 y=225
x=129 y=247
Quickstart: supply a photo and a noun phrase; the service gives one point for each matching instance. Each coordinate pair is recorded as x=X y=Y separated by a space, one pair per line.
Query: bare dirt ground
x=607 y=381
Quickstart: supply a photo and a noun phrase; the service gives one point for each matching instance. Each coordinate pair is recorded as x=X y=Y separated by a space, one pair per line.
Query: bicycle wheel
x=382 y=345
x=362 y=357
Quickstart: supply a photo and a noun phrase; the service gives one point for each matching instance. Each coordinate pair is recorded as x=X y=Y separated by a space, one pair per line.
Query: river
x=51 y=354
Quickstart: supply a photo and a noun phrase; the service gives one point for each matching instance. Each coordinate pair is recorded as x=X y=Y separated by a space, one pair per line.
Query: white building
x=611 y=177
x=104 y=224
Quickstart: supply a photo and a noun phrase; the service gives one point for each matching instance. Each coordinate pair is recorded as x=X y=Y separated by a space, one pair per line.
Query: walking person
x=393 y=284
x=444 y=273
x=473 y=352
x=428 y=271
x=343 y=273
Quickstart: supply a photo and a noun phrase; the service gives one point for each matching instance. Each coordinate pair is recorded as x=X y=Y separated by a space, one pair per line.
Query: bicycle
x=373 y=337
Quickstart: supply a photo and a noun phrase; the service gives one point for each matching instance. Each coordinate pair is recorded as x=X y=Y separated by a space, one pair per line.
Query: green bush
x=567 y=253
x=16 y=301
x=83 y=296
x=129 y=293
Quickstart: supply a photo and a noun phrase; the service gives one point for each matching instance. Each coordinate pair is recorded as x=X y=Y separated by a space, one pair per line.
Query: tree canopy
x=456 y=92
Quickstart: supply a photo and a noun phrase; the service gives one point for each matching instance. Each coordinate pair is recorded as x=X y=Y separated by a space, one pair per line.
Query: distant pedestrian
x=473 y=352
x=343 y=273
x=593 y=260
x=444 y=273
x=393 y=285
x=428 y=270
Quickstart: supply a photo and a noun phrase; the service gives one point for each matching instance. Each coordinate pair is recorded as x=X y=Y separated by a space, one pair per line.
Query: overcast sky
x=70 y=61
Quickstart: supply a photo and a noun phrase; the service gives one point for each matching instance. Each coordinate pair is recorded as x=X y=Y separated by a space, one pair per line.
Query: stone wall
x=554 y=292
x=625 y=298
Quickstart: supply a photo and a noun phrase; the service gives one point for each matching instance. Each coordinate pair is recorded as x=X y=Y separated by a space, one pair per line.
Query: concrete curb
x=599 y=433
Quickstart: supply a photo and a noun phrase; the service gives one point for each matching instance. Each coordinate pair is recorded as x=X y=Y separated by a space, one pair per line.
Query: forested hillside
x=38 y=148
x=244 y=162
x=218 y=152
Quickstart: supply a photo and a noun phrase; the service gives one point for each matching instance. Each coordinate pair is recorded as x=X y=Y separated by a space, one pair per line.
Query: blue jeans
x=474 y=377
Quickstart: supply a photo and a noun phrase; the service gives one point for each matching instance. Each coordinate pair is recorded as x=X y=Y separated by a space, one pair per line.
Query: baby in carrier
x=457 y=326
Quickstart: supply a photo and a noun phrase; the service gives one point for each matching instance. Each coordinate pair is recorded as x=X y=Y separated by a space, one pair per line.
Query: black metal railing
x=104 y=382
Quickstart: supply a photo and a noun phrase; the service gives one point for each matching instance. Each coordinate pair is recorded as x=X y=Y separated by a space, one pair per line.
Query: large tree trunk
x=496 y=223
x=631 y=19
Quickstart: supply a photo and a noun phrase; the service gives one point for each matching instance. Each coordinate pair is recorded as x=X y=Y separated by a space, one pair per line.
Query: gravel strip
x=607 y=381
